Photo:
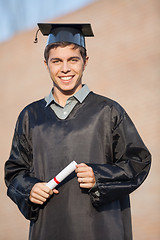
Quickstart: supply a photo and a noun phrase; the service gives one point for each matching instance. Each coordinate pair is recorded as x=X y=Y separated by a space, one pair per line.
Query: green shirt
x=63 y=112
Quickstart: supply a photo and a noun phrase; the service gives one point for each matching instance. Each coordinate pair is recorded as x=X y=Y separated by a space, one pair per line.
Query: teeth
x=66 y=78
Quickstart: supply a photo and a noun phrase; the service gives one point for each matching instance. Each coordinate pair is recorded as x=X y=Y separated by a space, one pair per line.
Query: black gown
x=97 y=132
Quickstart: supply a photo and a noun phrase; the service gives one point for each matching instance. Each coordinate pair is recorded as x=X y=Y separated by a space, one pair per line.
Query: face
x=66 y=67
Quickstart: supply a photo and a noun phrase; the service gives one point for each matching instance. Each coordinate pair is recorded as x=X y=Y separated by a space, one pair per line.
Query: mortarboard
x=66 y=32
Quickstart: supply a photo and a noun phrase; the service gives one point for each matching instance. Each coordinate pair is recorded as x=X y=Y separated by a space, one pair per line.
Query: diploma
x=62 y=175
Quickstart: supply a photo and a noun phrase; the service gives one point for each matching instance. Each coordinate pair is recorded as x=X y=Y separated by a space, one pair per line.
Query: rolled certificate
x=62 y=175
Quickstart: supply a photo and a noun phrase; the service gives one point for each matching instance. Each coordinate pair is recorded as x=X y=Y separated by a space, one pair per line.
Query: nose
x=65 y=67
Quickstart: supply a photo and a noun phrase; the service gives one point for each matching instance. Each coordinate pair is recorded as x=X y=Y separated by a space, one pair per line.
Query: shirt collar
x=80 y=95
x=49 y=98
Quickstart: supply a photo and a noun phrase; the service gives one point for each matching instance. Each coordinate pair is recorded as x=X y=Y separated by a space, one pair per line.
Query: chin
x=71 y=88
x=68 y=91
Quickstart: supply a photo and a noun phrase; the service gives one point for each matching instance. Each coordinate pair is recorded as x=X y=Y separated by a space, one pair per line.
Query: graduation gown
x=97 y=132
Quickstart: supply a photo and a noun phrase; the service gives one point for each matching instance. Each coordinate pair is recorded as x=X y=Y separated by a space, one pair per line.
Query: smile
x=66 y=78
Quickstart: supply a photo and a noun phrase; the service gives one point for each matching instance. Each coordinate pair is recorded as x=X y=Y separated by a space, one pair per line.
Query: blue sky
x=17 y=15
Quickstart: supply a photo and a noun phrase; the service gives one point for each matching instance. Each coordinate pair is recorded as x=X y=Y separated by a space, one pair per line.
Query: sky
x=18 y=15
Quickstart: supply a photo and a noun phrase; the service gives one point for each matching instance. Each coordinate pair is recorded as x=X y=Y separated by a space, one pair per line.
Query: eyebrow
x=74 y=57
x=55 y=59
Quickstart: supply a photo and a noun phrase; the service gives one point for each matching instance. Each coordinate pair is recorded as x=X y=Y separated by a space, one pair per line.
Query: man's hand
x=40 y=193
x=85 y=175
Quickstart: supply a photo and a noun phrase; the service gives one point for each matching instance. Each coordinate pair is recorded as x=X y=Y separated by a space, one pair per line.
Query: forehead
x=68 y=50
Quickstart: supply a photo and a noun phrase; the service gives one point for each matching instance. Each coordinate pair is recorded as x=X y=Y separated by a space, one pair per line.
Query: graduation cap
x=66 y=32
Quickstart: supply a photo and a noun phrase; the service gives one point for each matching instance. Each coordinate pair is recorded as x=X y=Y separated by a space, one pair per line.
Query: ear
x=45 y=63
x=86 y=62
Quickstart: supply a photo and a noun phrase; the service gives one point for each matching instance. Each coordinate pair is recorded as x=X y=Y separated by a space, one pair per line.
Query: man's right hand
x=40 y=193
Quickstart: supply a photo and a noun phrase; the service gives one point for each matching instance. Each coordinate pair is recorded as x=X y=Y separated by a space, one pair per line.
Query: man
x=73 y=123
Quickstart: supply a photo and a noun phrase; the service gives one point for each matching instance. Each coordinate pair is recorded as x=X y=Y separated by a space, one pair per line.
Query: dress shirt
x=63 y=112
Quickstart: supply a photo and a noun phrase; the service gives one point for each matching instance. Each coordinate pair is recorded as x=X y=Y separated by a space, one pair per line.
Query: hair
x=82 y=50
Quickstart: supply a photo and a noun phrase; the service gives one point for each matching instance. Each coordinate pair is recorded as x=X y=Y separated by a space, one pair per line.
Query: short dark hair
x=82 y=50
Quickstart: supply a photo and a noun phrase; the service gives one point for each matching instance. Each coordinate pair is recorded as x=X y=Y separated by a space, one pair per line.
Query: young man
x=73 y=123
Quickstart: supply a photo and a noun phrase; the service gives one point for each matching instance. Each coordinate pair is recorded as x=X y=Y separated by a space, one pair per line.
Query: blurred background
x=124 y=65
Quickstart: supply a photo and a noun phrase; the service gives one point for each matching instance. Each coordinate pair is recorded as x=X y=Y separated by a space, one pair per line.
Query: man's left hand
x=85 y=175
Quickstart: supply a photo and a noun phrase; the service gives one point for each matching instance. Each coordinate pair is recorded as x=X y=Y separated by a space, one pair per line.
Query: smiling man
x=66 y=66
x=73 y=123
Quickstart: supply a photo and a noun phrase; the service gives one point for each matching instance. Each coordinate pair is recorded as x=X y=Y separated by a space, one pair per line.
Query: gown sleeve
x=19 y=174
x=127 y=167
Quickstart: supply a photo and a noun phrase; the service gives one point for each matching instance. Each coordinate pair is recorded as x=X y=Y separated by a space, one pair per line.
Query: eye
x=55 y=61
x=74 y=60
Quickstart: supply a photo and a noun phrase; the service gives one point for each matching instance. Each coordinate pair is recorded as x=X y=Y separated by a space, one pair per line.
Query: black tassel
x=36 y=37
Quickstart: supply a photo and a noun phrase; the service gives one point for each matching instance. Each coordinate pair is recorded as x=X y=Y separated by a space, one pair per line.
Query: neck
x=62 y=96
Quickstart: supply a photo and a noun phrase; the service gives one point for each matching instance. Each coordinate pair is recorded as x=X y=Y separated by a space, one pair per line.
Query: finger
x=55 y=191
x=38 y=197
x=86 y=180
x=84 y=169
x=36 y=201
x=51 y=191
x=85 y=174
x=86 y=185
x=41 y=192
x=81 y=165
x=41 y=187
x=46 y=188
